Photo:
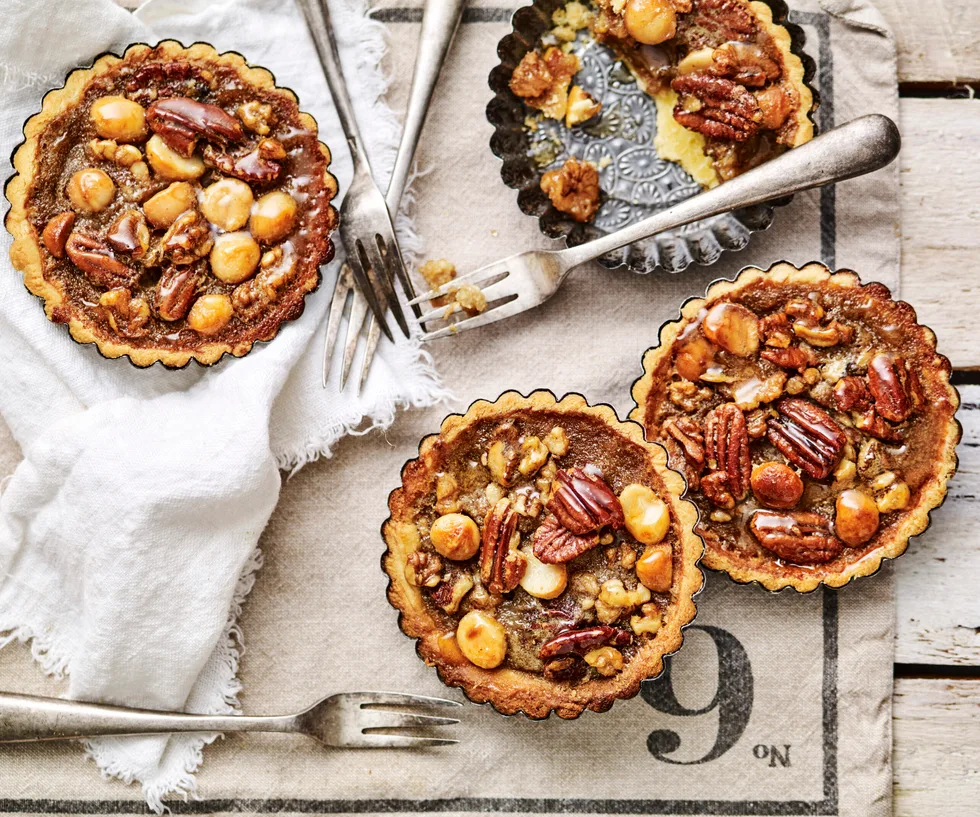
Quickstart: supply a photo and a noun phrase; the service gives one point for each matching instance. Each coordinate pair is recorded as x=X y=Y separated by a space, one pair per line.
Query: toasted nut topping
x=646 y=515
x=90 y=190
x=776 y=485
x=256 y=116
x=127 y=315
x=179 y=121
x=96 y=259
x=56 y=233
x=579 y=642
x=210 y=314
x=807 y=436
x=542 y=580
x=273 y=217
x=176 y=291
x=482 y=639
x=163 y=208
x=227 y=204
x=650 y=21
x=557 y=441
x=801 y=537
x=694 y=358
x=455 y=536
x=169 y=164
x=606 y=660
x=501 y=566
x=582 y=106
x=733 y=327
x=857 y=517
x=650 y=622
x=423 y=569
x=234 y=257
x=895 y=498
x=115 y=117
x=583 y=502
x=129 y=234
x=655 y=568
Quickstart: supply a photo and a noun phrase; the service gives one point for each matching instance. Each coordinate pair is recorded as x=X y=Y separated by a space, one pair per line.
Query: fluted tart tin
x=171 y=204
x=812 y=417
x=635 y=181
x=540 y=555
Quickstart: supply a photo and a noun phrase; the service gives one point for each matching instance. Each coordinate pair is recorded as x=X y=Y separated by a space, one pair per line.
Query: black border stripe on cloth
x=764 y=808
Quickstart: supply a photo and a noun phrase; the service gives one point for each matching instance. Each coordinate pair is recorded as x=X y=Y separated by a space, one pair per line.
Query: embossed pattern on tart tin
x=635 y=181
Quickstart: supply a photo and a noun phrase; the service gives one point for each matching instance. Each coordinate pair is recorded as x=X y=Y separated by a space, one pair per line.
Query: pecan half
x=721 y=21
x=584 y=502
x=98 y=261
x=129 y=234
x=579 y=642
x=252 y=167
x=807 y=436
x=891 y=383
x=176 y=291
x=685 y=447
x=180 y=121
x=167 y=79
x=795 y=357
x=744 y=63
x=801 y=537
x=727 y=440
x=716 y=107
x=56 y=232
x=851 y=394
x=553 y=543
x=501 y=567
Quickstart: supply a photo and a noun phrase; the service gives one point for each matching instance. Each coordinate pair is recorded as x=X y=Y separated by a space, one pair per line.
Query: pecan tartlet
x=813 y=420
x=172 y=204
x=540 y=553
x=730 y=91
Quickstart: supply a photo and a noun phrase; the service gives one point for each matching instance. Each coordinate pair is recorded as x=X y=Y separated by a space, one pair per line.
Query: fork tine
x=492 y=315
x=387 y=281
x=369 y=699
x=384 y=741
x=372 y=719
x=359 y=265
x=501 y=289
x=358 y=311
x=345 y=283
x=496 y=268
x=373 y=336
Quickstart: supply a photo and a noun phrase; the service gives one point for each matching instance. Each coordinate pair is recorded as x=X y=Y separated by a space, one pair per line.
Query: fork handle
x=27 y=719
x=440 y=20
x=317 y=13
x=861 y=146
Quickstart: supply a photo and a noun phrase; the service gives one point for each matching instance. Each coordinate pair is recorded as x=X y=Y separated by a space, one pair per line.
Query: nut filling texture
x=729 y=88
x=541 y=553
x=172 y=204
x=813 y=421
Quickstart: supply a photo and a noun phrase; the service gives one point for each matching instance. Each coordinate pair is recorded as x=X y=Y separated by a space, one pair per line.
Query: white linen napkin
x=128 y=533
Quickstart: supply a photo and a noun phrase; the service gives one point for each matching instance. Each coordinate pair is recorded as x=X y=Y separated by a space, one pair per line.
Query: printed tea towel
x=777 y=704
x=128 y=534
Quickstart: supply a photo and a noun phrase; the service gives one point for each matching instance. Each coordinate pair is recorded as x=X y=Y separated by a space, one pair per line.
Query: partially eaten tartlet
x=540 y=553
x=172 y=204
x=813 y=420
x=729 y=88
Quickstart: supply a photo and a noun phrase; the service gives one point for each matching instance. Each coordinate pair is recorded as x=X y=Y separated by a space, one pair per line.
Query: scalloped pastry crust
x=772 y=573
x=510 y=690
x=27 y=254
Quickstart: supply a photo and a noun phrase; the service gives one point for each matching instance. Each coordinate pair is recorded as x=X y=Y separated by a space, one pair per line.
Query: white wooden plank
x=937 y=40
x=938 y=618
x=941 y=220
x=936 y=755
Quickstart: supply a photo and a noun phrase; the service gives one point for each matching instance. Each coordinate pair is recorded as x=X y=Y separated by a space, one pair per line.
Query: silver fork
x=350 y=720
x=526 y=280
x=366 y=230
x=440 y=21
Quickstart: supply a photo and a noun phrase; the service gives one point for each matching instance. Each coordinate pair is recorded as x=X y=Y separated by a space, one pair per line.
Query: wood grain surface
x=937 y=690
